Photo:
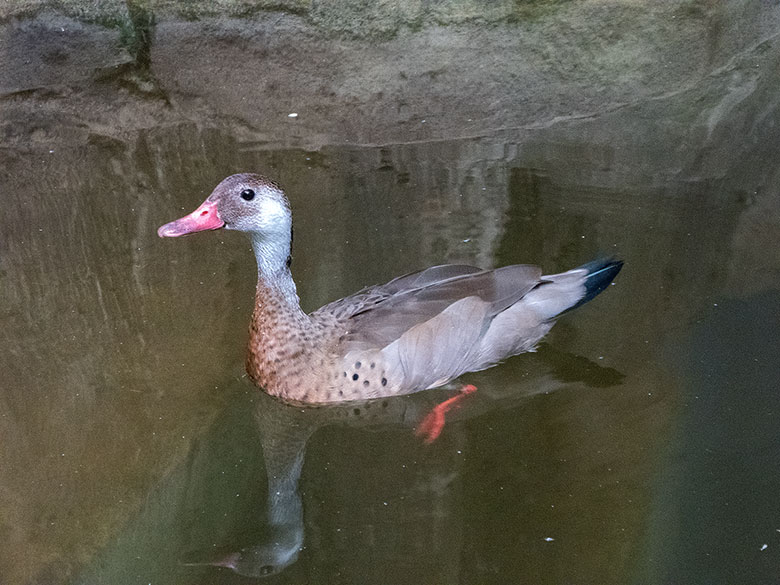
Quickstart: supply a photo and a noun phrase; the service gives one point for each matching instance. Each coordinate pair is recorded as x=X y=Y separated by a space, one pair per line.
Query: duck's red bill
x=203 y=218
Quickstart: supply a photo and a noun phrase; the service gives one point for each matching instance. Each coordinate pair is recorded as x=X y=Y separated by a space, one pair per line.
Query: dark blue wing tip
x=601 y=273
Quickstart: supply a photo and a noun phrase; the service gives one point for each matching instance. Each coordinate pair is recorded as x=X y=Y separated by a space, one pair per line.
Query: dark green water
x=637 y=446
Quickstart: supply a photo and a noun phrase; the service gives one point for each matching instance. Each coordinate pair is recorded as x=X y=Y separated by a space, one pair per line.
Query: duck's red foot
x=431 y=426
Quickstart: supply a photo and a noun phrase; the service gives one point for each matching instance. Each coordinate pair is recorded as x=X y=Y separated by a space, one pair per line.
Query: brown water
x=637 y=446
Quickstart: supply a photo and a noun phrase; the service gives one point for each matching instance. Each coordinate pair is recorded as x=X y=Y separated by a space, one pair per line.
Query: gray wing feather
x=409 y=303
x=372 y=296
x=441 y=348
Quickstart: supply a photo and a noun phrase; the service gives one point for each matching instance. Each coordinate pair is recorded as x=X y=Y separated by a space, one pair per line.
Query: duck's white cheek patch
x=272 y=210
x=271 y=215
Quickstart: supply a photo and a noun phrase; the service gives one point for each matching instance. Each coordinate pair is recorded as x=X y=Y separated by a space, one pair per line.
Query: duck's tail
x=557 y=294
x=601 y=273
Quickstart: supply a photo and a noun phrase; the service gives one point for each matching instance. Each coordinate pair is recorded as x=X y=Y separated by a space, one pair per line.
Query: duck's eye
x=247 y=194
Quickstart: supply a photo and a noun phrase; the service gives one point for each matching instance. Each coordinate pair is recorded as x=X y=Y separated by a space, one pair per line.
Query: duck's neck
x=279 y=326
x=273 y=269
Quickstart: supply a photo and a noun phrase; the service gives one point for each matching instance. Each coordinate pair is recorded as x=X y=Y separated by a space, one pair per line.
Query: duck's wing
x=414 y=299
x=429 y=327
x=373 y=296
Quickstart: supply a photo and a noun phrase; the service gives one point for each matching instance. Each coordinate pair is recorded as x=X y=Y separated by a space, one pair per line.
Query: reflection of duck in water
x=283 y=457
x=284 y=431
x=416 y=332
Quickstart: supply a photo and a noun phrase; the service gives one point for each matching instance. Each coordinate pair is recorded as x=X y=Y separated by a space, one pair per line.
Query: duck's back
x=423 y=329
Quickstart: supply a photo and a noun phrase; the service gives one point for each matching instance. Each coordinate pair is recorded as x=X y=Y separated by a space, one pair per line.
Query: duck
x=418 y=331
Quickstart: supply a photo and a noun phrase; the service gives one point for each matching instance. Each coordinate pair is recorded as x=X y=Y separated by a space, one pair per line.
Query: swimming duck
x=416 y=332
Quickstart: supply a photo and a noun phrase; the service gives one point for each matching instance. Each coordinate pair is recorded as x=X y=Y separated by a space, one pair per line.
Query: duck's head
x=245 y=202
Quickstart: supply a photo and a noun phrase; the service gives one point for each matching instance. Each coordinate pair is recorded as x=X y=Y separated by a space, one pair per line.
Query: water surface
x=637 y=446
